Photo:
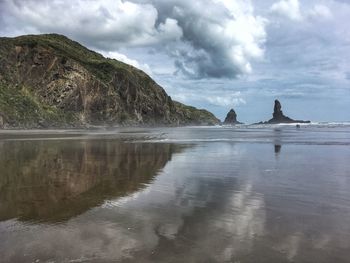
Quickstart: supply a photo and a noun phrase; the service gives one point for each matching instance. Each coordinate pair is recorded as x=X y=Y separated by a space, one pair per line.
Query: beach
x=260 y=193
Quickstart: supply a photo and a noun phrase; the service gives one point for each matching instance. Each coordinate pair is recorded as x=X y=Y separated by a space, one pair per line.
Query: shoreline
x=106 y=127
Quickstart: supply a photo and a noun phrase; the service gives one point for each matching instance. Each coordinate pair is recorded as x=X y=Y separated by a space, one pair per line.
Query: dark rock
x=277 y=111
x=279 y=117
x=231 y=118
x=278 y=148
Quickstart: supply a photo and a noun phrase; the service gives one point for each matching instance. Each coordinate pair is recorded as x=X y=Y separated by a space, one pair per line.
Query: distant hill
x=52 y=81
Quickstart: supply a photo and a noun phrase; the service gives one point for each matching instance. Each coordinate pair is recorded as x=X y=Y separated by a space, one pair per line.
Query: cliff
x=52 y=81
x=231 y=118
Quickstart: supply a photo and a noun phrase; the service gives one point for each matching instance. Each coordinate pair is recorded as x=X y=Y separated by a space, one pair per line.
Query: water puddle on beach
x=176 y=195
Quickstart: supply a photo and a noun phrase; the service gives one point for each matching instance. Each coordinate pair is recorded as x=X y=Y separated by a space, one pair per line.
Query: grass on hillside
x=101 y=67
x=18 y=105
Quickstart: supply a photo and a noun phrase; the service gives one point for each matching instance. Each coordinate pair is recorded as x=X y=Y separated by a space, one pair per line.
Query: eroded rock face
x=279 y=117
x=231 y=118
x=1 y=122
x=64 y=83
x=277 y=111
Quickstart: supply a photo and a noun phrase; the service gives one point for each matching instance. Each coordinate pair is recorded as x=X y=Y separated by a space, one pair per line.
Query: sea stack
x=231 y=118
x=279 y=117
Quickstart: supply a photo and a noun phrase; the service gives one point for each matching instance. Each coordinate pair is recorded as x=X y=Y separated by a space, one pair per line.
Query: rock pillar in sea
x=231 y=118
x=277 y=112
x=279 y=117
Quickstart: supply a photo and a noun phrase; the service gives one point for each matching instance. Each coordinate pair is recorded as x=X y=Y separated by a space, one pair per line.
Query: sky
x=214 y=54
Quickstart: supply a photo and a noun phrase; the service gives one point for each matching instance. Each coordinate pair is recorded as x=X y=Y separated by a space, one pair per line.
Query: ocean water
x=261 y=193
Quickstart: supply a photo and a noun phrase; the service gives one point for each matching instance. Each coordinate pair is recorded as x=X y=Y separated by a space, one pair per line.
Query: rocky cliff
x=52 y=81
x=231 y=118
x=279 y=117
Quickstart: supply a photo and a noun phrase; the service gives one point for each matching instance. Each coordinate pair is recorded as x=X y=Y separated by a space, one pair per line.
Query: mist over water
x=220 y=194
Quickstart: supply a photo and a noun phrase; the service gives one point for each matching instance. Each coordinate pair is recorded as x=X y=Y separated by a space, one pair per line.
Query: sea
x=247 y=193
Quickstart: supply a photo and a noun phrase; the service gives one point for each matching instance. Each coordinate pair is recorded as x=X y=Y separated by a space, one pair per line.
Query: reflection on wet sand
x=193 y=212
x=56 y=180
x=212 y=202
x=278 y=148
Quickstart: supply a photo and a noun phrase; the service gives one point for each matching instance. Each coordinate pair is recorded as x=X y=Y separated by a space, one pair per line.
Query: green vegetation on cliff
x=66 y=48
x=18 y=108
x=50 y=80
x=195 y=116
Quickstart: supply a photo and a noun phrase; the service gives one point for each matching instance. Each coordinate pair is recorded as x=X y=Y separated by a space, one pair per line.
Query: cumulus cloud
x=105 y=24
x=123 y=58
x=205 y=38
x=287 y=8
x=220 y=37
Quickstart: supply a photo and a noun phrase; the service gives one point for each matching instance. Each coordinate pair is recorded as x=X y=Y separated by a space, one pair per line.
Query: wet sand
x=248 y=194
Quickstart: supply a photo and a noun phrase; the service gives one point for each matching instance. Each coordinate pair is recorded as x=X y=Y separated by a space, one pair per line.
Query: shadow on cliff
x=53 y=181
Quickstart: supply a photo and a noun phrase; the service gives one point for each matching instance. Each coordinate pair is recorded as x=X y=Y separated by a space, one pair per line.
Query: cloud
x=291 y=9
x=105 y=24
x=220 y=40
x=205 y=38
x=195 y=93
x=320 y=11
x=123 y=58
x=227 y=101
x=287 y=8
x=347 y=75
